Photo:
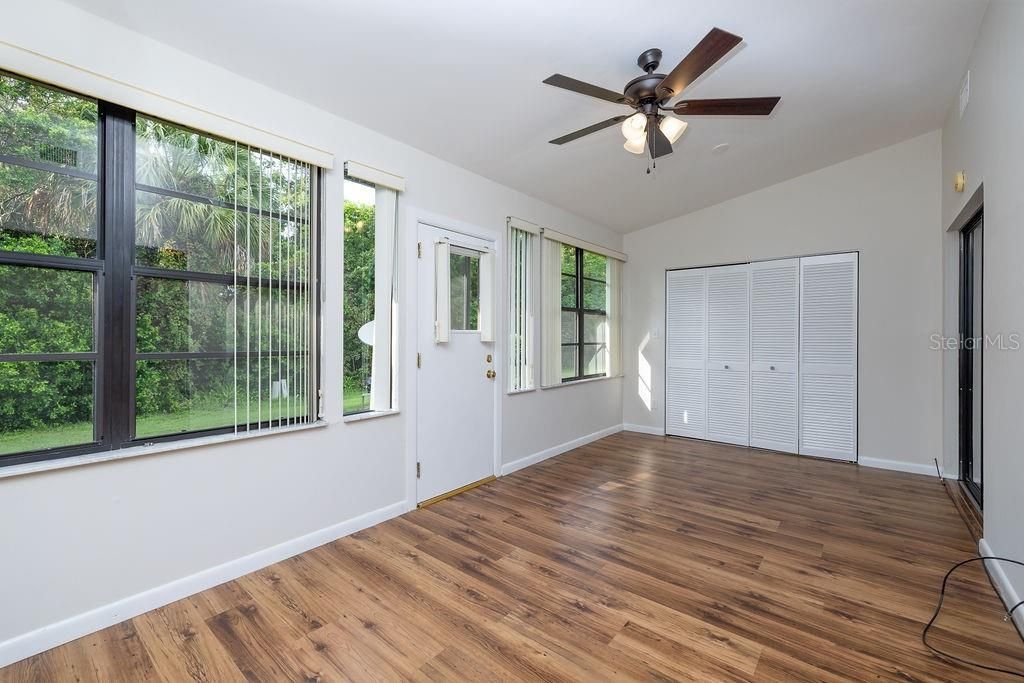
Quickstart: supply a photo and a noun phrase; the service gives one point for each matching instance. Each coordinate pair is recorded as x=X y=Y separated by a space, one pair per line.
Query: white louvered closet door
x=686 y=353
x=828 y=356
x=728 y=378
x=774 y=328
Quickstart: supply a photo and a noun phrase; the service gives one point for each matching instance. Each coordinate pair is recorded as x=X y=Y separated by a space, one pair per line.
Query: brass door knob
x=491 y=374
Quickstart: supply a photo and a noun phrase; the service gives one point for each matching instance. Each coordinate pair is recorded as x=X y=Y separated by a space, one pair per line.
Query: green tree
x=358 y=301
x=250 y=216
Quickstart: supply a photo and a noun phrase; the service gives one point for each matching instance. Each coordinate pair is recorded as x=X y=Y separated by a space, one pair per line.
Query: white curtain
x=485 y=312
x=614 y=317
x=551 y=313
x=385 y=227
x=442 y=296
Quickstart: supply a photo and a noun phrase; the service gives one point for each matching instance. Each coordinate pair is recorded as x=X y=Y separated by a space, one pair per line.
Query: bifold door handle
x=726 y=367
x=772 y=367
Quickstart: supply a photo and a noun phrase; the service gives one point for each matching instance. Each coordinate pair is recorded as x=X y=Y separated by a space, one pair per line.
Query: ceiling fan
x=650 y=94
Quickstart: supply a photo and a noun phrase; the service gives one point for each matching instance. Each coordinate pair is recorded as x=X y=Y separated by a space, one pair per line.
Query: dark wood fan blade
x=657 y=144
x=560 y=81
x=588 y=130
x=715 y=45
x=735 y=106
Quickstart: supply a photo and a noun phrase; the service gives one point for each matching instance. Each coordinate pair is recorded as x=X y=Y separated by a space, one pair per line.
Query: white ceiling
x=461 y=79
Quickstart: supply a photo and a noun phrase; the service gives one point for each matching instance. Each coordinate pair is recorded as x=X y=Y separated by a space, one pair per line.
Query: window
x=370 y=295
x=520 y=335
x=584 y=314
x=580 y=309
x=49 y=217
x=464 y=288
x=176 y=297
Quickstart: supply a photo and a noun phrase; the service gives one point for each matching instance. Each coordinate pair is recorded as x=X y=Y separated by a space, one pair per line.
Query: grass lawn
x=164 y=424
x=356 y=401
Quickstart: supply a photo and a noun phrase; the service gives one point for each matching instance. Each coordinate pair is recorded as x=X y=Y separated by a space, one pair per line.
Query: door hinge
x=419 y=360
x=418 y=470
x=419 y=250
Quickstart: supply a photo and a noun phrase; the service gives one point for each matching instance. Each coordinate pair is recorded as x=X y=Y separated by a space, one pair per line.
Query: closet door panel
x=828 y=356
x=686 y=353
x=774 y=343
x=728 y=362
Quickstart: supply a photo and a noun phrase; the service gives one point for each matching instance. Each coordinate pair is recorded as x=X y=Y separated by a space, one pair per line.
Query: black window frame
x=580 y=311
x=114 y=287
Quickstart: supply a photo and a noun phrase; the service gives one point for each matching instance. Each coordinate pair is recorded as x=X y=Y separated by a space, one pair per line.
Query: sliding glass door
x=972 y=341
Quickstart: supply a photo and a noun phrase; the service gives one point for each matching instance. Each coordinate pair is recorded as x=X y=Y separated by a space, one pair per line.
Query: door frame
x=966 y=448
x=414 y=217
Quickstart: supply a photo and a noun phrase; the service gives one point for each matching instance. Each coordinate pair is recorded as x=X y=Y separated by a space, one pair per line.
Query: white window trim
x=585 y=380
x=369 y=415
x=151 y=449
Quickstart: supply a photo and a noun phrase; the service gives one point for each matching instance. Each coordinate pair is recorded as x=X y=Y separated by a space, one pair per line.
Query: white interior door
x=828 y=356
x=686 y=352
x=455 y=397
x=728 y=364
x=774 y=321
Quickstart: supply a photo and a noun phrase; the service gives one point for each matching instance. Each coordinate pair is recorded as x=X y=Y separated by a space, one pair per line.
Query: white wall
x=988 y=142
x=885 y=205
x=78 y=539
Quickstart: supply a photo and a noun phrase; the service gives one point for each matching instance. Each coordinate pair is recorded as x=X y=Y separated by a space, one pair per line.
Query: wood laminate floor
x=635 y=557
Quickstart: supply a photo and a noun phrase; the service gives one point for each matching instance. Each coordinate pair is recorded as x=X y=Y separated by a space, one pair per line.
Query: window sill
x=369 y=415
x=137 y=451
x=577 y=382
x=513 y=392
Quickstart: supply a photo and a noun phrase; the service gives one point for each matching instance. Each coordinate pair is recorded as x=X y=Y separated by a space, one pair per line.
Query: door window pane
x=464 y=271
x=45 y=310
x=45 y=405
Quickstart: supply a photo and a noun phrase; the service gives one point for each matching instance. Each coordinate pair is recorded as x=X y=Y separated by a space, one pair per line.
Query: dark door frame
x=971 y=342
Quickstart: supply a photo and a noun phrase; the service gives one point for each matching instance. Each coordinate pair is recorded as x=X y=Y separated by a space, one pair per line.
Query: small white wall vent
x=965 y=93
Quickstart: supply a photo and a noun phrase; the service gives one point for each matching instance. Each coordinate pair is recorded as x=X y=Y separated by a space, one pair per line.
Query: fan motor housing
x=644 y=89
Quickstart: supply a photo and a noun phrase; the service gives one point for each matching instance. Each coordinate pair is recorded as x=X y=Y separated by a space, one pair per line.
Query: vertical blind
x=228 y=232
x=520 y=311
x=274 y=328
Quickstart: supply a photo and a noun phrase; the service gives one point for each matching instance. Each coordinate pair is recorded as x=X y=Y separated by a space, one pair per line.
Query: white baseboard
x=643 y=429
x=509 y=468
x=898 y=466
x=1007 y=592
x=52 y=635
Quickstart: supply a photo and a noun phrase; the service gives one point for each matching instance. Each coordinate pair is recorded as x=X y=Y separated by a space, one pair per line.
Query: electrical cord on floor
x=938 y=608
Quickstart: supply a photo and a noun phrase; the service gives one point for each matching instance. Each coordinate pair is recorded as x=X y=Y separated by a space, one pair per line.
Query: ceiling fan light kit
x=649 y=95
